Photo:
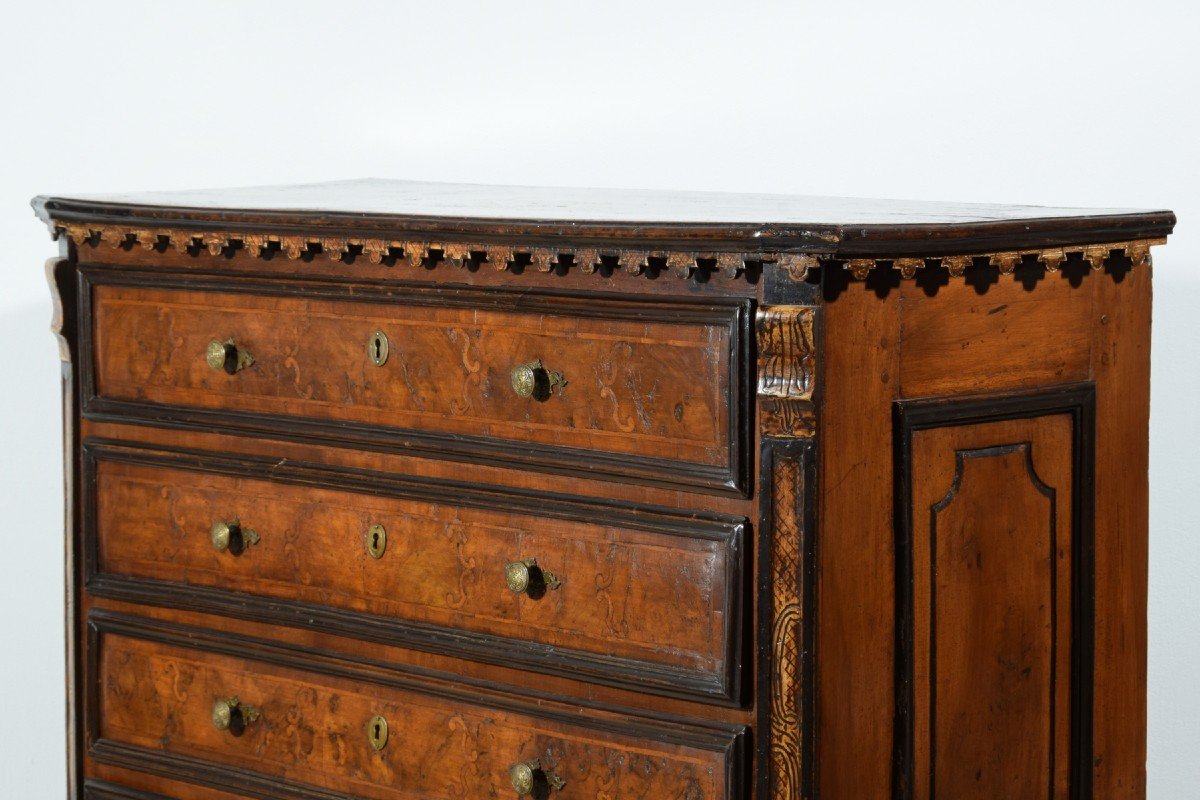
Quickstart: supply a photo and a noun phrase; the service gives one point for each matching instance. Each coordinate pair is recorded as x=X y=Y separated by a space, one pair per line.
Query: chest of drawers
x=395 y=490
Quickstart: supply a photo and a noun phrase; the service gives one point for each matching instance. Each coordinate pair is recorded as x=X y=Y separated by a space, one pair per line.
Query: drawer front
x=652 y=391
x=165 y=703
x=641 y=598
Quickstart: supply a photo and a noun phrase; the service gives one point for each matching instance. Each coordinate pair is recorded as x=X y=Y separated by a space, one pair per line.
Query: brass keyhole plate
x=376 y=541
x=377 y=348
x=377 y=733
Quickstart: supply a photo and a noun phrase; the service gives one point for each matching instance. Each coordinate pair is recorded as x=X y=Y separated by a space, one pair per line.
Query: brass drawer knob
x=529 y=775
x=526 y=577
x=534 y=380
x=228 y=714
x=227 y=356
x=231 y=536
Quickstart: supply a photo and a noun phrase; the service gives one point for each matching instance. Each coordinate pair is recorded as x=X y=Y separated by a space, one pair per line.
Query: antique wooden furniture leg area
x=411 y=491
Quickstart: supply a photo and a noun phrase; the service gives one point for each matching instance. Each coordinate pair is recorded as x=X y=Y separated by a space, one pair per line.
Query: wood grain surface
x=992 y=588
x=313 y=731
x=633 y=387
x=1121 y=369
x=658 y=590
x=758 y=544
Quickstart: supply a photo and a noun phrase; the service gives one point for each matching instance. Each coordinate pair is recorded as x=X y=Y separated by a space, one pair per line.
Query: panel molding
x=722 y=686
x=1077 y=401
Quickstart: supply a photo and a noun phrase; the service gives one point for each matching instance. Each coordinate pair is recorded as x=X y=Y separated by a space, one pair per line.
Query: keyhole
x=376 y=540
x=377 y=348
x=377 y=732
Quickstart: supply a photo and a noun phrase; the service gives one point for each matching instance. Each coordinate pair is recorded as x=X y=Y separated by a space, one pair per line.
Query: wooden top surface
x=761 y=220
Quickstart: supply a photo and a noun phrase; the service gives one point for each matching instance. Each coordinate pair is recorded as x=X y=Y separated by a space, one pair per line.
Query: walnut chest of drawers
x=419 y=491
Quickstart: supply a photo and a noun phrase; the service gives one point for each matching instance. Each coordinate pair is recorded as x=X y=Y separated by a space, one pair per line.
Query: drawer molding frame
x=723 y=686
x=737 y=316
x=94 y=789
x=729 y=740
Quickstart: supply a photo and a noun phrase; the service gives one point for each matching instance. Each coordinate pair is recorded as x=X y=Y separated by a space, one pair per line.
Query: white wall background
x=1069 y=103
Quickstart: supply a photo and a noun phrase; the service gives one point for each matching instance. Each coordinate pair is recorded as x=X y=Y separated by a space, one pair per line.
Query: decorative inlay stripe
x=502 y=257
x=787 y=614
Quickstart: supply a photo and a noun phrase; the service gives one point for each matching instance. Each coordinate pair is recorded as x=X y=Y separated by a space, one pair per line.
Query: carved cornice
x=541 y=258
x=786 y=371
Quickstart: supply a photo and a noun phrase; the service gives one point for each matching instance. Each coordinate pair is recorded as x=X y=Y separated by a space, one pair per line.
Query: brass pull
x=232 y=536
x=228 y=714
x=526 y=577
x=376 y=541
x=377 y=733
x=534 y=380
x=526 y=776
x=227 y=356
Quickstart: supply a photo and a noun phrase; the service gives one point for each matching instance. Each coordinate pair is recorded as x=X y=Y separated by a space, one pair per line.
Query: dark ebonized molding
x=730 y=478
x=802 y=508
x=1079 y=402
x=103 y=790
x=947 y=234
x=728 y=740
x=723 y=685
x=61 y=274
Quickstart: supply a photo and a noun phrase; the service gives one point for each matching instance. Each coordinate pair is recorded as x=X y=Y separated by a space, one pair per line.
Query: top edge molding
x=528 y=216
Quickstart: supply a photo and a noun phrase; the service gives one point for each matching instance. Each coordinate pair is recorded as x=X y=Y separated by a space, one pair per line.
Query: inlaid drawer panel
x=192 y=705
x=625 y=388
x=628 y=596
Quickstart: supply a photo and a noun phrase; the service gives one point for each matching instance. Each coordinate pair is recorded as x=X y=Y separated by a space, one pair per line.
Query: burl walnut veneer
x=416 y=491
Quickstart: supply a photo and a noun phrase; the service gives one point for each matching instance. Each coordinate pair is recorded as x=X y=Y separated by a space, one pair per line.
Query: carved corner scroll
x=59 y=322
x=786 y=371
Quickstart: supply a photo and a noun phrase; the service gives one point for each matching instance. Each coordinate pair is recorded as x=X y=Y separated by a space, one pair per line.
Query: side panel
x=953 y=341
x=994 y=596
x=1121 y=369
x=855 y=565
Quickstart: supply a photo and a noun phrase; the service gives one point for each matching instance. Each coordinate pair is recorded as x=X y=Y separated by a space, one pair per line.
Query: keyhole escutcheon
x=377 y=348
x=376 y=540
x=377 y=733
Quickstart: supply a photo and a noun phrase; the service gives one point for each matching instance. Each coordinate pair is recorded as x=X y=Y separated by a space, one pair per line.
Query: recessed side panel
x=994 y=599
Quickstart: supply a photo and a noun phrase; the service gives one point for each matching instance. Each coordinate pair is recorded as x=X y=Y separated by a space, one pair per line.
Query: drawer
x=636 y=597
x=649 y=391
x=253 y=717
